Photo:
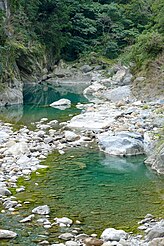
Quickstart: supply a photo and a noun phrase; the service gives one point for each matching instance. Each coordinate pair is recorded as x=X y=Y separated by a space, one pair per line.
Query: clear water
x=85 y=184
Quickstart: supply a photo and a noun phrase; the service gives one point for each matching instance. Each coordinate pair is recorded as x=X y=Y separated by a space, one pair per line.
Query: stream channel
x=83 y=184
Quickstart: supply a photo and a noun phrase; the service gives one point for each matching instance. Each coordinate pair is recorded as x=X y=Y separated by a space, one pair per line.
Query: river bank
x=121 y=127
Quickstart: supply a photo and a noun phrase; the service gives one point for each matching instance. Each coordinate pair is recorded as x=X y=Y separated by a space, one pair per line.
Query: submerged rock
x=66 y=236
x=41 y=210
x=27 y=219
x=63 y=221
x=6 y=234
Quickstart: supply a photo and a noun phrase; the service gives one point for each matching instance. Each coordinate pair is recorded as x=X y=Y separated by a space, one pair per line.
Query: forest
x=131 y=30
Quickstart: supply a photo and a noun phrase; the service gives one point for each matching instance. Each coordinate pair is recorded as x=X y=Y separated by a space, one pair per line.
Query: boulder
x=61 y=102
x=94 y=91
x=117 y=94
x=6 y=234
x=121 y=144
x=111 y=234
x=100 y=117
x=156 y=231
x=43 y=210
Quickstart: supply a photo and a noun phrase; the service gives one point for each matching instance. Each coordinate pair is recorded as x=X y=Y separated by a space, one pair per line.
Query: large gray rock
x=94 y=118
x=41 y=210
x=111 y=234
x=6 y=234
x=117 y=94
x=122 y=144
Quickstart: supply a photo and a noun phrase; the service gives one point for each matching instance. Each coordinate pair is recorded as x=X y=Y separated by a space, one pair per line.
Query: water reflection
x=11 y=113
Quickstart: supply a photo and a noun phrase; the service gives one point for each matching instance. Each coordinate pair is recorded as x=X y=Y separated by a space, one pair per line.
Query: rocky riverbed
x=119 y=124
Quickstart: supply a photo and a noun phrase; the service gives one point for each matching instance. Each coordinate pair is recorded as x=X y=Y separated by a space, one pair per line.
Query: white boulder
x=61 y=102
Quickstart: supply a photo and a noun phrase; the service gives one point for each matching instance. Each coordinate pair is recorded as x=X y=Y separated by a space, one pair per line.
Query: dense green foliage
x=68 y=28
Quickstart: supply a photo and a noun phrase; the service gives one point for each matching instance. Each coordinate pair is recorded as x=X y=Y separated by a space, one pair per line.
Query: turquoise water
x=84 y=184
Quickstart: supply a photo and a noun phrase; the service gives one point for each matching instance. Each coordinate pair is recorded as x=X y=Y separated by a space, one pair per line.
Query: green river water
x=83 y=184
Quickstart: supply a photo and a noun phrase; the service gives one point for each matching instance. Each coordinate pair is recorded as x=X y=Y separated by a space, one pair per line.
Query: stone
x=61 y=102
x=6 y=234
x=45 y=242
x=53 y=123
x=122 y=144
x=27 y=219
x=93 y=241
x=16 y=149
x=82 y=236
x=71 y=136
x=4 y=191
x=71 y=243
x=111 y=234
x=156 y=231
x=43 y=210
x=66 y=236
x=10 y=204
x=64 y=220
